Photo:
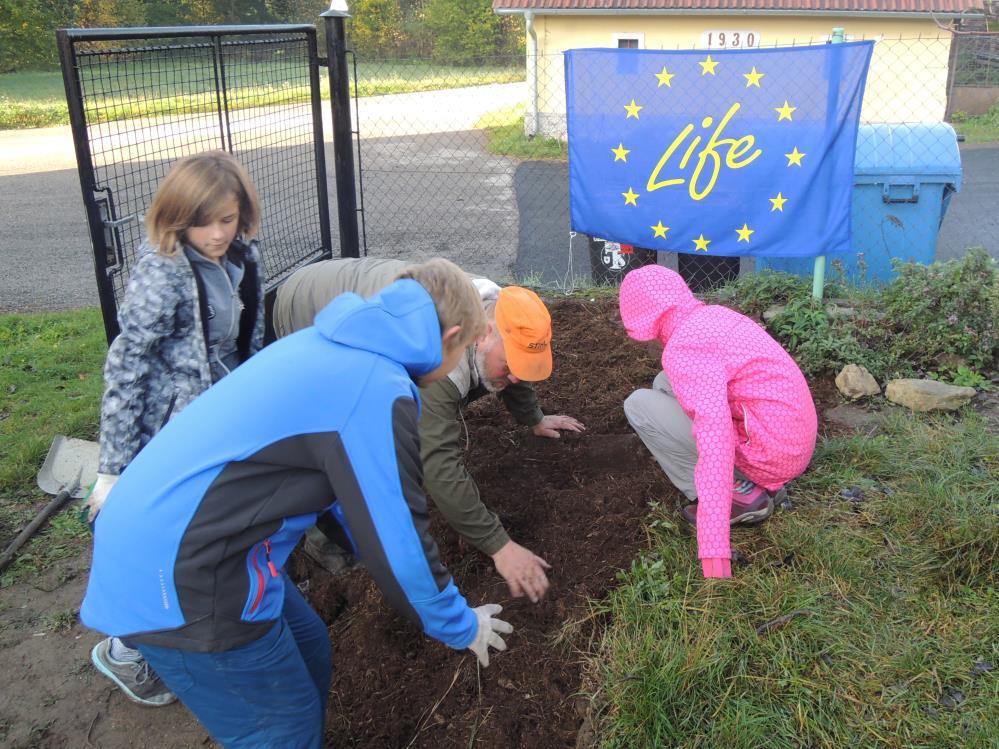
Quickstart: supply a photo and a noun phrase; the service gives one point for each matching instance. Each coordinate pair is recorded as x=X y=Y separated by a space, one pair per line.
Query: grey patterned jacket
x=158 y=364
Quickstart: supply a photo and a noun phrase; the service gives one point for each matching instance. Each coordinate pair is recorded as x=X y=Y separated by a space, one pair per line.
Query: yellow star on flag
x=744 y=233
x=784 y=112
x=778 y=203
x=665 y=77
x=753 y=78
x=708 y=66
x=620 y=153
x=794 y=158
x=660 y=230
x=701 y=243
x=630 y=197
x=633 y=109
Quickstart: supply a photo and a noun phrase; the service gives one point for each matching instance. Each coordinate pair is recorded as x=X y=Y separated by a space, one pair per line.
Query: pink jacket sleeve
x=703 y=393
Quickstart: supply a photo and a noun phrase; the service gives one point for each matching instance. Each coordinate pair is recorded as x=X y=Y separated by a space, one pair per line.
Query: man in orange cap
x=515 y=352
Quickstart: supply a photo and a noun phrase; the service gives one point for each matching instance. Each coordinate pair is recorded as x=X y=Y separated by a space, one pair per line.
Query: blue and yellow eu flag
x=727 y=152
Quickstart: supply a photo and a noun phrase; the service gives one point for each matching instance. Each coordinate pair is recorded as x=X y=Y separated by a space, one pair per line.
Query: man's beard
x=492 y=386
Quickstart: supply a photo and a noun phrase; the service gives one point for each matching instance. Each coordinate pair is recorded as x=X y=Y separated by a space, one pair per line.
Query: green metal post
x=819 y=272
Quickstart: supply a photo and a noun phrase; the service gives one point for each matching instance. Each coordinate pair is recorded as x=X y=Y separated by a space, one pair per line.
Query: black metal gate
x=139 y=99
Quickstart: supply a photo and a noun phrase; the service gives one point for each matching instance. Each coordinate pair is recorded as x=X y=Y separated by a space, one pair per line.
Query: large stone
x=852 y=417
x=928 y=395
x=855 y=382
x=772 y=313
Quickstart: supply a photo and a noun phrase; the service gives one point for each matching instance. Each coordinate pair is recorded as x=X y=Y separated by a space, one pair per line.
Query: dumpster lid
x=926 y=152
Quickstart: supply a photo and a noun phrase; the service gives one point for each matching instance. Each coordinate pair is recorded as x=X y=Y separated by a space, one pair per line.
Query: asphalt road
x=430 y=189
x=972 y=219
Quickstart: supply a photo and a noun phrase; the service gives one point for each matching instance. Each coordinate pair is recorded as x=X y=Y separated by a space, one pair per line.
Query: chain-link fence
x=141 y=99
x=470 y=162
x=475 y=169
x=976 y=60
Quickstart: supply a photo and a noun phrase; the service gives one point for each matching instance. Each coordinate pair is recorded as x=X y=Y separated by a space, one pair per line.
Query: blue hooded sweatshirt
x=189 y=547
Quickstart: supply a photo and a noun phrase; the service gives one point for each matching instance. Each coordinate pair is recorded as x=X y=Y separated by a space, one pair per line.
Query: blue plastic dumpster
x=904 y=178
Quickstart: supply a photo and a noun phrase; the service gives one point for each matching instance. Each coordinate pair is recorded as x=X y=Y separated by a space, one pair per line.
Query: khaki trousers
x=656 y=415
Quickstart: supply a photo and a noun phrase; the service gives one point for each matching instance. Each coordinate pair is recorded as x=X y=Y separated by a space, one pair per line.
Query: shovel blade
x=67 y=456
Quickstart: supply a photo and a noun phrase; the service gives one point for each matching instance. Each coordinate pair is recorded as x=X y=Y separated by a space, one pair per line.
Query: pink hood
x=749 y=403
x=653 y=302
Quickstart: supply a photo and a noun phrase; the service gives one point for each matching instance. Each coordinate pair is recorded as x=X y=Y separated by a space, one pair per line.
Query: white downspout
x=532 y=76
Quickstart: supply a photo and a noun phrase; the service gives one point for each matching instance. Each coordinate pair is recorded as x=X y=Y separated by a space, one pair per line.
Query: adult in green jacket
x=515 y=351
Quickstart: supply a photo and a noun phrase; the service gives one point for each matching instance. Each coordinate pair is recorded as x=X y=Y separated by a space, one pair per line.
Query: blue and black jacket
x=189 y=547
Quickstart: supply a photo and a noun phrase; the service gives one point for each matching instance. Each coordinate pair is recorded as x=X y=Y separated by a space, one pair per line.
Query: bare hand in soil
x=486 y=634
x=523 y=570
x=549 y=426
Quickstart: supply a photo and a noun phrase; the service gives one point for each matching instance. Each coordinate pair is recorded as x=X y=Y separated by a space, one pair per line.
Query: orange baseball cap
x=526 y=329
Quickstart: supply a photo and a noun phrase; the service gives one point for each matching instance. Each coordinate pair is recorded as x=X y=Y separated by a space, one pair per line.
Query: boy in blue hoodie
x=190 y=547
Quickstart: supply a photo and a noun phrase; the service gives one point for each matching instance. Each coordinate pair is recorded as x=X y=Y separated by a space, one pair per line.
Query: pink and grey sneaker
x=751 y=504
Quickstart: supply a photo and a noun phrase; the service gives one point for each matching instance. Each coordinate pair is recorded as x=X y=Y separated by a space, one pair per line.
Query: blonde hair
x=192 y=194
x=455 y=297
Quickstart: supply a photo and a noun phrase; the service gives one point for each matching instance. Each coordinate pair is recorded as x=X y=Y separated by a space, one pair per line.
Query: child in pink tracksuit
x=730 y=418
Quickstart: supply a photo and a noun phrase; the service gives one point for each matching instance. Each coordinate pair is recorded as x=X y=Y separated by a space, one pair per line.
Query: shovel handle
x=39 y=520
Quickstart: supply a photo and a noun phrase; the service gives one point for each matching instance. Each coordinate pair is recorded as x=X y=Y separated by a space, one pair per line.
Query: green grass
x=505 y=132
x=37 y=98
x=982 y=128
x=898 y=595
x=50 y=383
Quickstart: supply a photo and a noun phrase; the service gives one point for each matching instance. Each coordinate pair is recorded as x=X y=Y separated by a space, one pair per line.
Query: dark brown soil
x=577 y=501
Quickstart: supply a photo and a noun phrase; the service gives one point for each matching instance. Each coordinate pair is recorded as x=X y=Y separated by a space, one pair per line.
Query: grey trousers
x=667 y=431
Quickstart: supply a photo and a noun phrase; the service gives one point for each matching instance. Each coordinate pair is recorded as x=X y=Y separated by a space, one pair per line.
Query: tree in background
x=462 y=32
x=21 y=39
x=418 y=39
x=27 y=31
x=94 y=14
x=297 y=11
x=468 y=32
x=465 y=32
x=376 y=27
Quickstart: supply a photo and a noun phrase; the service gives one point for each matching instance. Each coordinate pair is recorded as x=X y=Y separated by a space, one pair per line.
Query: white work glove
x=486 y=634
x=94 y=501
x=487 y=289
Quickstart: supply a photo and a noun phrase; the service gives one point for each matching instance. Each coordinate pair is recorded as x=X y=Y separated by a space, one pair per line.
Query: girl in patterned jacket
x=193 y=310
x=730 y=419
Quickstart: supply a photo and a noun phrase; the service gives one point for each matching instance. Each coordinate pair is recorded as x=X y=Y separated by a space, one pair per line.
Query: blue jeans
x=271 y=693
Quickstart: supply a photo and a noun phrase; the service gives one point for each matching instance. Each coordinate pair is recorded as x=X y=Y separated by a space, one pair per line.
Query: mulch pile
x=577 y=501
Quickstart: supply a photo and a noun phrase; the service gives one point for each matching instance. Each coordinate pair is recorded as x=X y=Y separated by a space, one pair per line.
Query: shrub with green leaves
x=942 y=309
x=819 y=342
x=756 y=292
x=937 y=318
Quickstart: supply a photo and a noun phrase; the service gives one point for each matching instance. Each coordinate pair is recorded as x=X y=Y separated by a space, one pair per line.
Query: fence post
x=343 y=143
x=819 y=271
x=532 y=71
x=101 y=239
